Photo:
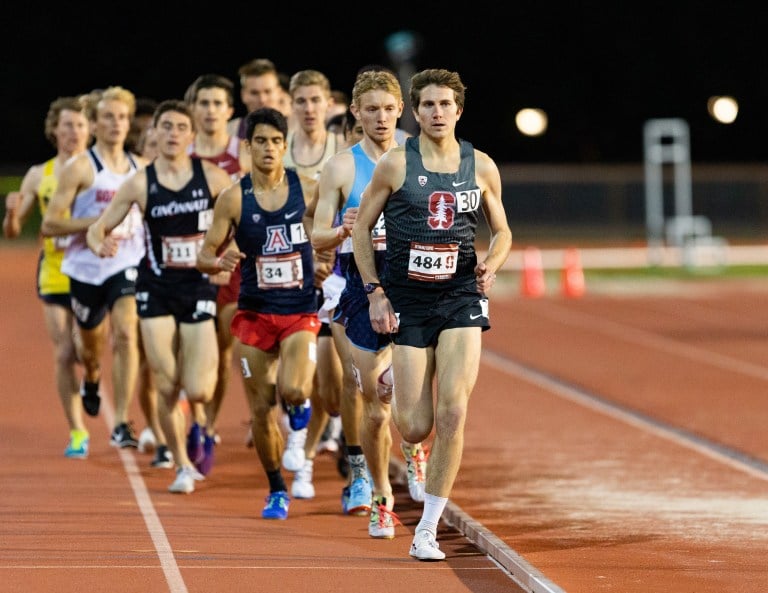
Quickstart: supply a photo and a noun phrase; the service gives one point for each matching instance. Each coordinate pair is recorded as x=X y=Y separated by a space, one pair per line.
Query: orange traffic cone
x=532 y=284
x=573 y=274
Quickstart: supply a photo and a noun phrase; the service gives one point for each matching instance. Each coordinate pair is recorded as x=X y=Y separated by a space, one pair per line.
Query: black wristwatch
x=370 y=287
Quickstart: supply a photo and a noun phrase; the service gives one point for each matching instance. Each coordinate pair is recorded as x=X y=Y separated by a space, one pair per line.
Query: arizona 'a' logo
x=277 y=240
x=442 y=206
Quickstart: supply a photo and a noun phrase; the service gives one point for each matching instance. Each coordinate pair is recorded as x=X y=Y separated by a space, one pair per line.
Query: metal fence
x=598 y=204
x=606 y=203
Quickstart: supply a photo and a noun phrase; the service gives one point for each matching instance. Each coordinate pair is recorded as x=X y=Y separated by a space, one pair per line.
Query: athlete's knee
x=261 y=418
x=165 y=386
x=261 y=406
x=349 y=386
x=450 y=419
x=65 y=353
x=90 y=358
x=198 y=394
x=294 y=393
x=124 y=337
x=412 y=433
x=411 y=426
x=293 y=396
x=378 y=414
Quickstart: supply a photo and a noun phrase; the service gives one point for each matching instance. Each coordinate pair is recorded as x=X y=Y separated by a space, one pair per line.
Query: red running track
x=614 y=443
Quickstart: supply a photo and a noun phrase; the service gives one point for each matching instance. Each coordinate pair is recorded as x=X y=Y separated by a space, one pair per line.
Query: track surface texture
x=615 y=442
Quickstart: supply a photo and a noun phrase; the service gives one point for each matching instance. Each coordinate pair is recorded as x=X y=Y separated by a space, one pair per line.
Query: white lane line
x=342 y=567
x=524 y=574
x=154 y=526
x=636 y=336
x=143 y=500
x=720 y=454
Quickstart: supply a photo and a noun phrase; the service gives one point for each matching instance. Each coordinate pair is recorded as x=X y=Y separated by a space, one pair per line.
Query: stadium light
x=531 y=121
x=723 y=109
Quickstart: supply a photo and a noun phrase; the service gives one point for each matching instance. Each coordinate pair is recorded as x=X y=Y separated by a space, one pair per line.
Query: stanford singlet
x=431 y=222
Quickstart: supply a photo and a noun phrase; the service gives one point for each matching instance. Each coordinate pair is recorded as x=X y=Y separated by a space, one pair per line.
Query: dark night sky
x=599 y=68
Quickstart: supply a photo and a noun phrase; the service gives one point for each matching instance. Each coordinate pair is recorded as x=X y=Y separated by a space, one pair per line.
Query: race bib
x=429 y=262
x=204 y=219
x=378 y=237
x=346 y=245
x=379 y=234
x=280 y=271
x=181 y=252
x=468 y=200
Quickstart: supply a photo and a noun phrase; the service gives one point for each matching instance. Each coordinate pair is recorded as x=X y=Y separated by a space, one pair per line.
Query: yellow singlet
x=50 y=280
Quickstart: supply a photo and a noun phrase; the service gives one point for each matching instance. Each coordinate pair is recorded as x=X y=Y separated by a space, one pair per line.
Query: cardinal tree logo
x=442 y=207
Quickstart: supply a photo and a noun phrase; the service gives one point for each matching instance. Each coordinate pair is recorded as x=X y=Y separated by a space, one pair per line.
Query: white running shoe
x=163 y=457
x=331 y=436
x=425 y=546
x=293 y=454
x=147 y=442
x=185 y=480
x=328 y=446
x=416 y=464
x=302 y=486
x=382 y=521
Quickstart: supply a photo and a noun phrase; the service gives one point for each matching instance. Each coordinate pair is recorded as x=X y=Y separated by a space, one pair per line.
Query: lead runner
x=432 y=296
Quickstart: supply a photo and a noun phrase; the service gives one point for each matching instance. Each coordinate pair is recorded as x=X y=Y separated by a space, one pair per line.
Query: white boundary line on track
x=614 y=411
x=626 y=333
x=163 y=547
x=521 y=571
x=154 y=525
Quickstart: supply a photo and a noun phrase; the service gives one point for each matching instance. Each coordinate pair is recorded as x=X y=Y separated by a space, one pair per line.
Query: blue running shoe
x=344 y=499
x=77 y=448
x=277 y=506
x=205 y=465
x=195 y=450
x=360 y=495
x=298 y=416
